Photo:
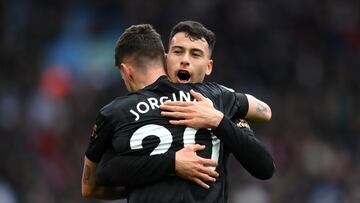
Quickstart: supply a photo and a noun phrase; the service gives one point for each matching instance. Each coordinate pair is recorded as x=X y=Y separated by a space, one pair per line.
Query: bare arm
x=89 y=188
x=258 y=110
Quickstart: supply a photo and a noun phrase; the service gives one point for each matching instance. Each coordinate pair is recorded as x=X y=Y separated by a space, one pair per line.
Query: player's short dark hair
x=139 y=43
x=194 y=30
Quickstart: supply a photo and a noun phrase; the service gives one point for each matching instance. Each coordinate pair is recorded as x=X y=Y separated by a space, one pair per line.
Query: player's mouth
x=183 y=76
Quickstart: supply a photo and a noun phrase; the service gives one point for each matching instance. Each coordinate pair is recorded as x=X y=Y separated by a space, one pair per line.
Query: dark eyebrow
x=177 y=47
x=191 y=49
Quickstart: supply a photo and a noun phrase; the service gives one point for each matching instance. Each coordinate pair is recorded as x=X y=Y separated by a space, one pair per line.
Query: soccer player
x=189 y=61
x=132 y=125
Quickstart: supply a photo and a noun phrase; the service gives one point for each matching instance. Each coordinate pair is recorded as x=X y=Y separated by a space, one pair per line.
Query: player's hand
x=194 y=168
x=200 y=114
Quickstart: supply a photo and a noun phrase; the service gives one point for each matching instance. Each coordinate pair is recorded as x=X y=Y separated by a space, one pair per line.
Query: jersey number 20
x=166 y=139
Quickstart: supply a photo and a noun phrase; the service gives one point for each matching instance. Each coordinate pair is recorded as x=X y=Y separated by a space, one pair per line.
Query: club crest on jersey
x=152 y=103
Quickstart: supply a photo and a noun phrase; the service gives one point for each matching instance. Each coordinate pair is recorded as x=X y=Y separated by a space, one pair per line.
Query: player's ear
x=209 y=67
x=126 y=71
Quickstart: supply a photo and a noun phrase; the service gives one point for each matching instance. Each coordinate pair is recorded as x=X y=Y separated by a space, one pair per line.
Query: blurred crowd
x=301 y=57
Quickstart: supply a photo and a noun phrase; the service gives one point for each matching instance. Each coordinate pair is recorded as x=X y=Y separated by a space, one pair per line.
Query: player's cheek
x=198 y=76
x=171 y=69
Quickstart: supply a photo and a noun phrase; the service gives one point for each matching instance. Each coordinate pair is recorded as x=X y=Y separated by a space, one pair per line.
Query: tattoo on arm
x=87 y=174
x=260 y=108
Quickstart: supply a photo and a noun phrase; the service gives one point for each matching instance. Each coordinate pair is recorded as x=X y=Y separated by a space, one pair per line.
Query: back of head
x=194 y=30
x=139 y=45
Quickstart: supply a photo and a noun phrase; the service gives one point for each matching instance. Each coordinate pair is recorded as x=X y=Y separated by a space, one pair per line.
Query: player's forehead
x=183 y=40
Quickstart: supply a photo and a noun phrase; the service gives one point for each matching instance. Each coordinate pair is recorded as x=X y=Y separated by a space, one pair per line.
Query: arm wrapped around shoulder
x=125 y=170
x=246 y=148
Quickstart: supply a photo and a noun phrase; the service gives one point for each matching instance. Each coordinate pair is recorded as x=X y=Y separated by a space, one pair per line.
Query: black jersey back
x=136 y=127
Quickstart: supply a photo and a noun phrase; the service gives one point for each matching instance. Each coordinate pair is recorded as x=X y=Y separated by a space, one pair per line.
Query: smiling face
x=188 y=60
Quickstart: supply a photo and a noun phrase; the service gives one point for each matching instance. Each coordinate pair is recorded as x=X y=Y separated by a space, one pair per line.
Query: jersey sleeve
x=243 y=105
x=100 y=139
x=246 y=148
x=233 y=105
x=133 y=171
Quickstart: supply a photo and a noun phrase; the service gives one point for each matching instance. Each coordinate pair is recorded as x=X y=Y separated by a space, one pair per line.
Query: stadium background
x=300 y=56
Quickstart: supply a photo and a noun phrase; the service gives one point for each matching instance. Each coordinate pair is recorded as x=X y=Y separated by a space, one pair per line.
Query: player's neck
x=149 y=77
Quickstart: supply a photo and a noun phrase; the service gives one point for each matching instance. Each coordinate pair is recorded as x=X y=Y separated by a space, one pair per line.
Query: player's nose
x=185 y=60
x=184 y=63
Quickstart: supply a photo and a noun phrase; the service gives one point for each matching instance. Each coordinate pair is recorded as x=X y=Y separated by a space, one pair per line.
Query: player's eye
x=176 y=51
x=196 y=55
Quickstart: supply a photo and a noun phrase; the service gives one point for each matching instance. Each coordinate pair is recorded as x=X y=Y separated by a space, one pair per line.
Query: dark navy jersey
x=132 y=126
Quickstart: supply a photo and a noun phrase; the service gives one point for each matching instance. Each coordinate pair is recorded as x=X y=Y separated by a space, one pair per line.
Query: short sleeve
x=243 y=105
x=227 y=101
x=100 y=139
x=234 y=105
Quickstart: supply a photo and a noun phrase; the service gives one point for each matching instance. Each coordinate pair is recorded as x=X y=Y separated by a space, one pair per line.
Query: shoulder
x=213 y=88
x=115 y=105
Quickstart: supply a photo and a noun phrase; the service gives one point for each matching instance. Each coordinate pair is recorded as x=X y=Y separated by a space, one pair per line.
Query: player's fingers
x=197 y=95
x=179 y=122
x=196 y=147
x=175 y=108
x=209 y=172
x=208 y=162
x=209 y=101
x=166 y=107
x=178 y=115
x=212 y=173
x=176 y=103
x=205 y=177
x=201 y=183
